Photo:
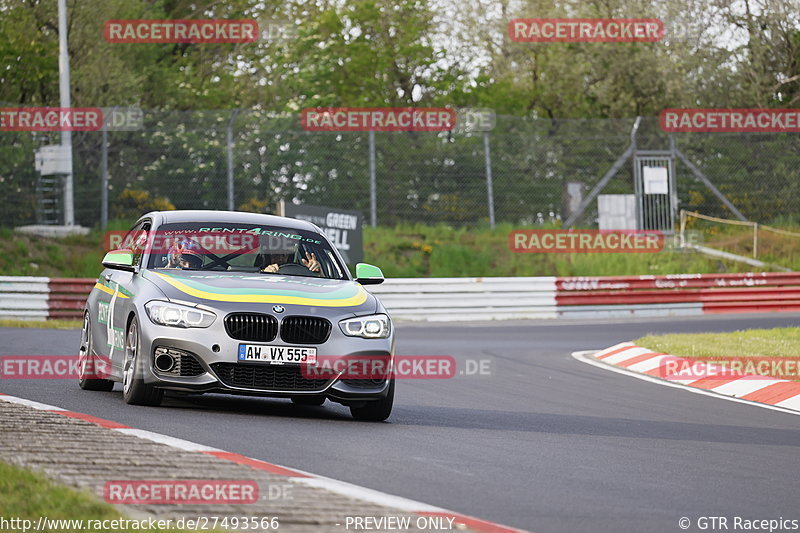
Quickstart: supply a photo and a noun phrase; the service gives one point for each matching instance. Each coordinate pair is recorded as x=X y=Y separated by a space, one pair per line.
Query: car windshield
x=243 y=248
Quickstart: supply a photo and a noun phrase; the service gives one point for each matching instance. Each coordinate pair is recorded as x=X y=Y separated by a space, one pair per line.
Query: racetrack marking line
x=256 y=463
x=602 y=354
x=629 y=353
x=30 y=403
x=650 y=364
x=586 y=356
x=366 y=494
x=174 y=442
x=298 y=476
x=742 y=387
x=629 y=363
x=109 y=424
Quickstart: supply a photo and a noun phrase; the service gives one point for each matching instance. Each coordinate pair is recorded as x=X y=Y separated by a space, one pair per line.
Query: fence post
x=489 y=187
x=755 y=240
x=373 y=186
x=65 y=101
x=229 y=145
x=104 y=180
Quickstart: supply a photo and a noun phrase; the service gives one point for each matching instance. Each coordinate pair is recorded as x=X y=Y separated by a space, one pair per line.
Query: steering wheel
x=293 y=269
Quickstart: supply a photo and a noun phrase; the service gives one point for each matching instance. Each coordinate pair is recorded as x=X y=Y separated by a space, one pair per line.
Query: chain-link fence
x=180 y=160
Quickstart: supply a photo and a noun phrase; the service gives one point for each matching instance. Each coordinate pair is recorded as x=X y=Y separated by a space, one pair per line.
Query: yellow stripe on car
x=108 y=290
x=359 y=298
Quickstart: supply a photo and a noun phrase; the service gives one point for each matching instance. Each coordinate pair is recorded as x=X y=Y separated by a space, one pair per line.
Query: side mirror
x=368 y=274
x=119 y=260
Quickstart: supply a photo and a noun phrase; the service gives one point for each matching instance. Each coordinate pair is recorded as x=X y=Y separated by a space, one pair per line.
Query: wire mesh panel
x=180 y=160
x=656 y=199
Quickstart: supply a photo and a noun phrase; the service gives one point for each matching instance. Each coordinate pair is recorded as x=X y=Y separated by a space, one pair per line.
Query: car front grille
x=256 y=327
x=266 y=377
x=188 y=366
x=305 y=330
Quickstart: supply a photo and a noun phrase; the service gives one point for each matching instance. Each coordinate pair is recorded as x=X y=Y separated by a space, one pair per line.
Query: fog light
x=164 y=361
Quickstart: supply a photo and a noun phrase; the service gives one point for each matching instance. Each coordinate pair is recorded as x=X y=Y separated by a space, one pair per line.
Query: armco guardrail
x=39 y=298
x=589 y=297
x=468 y=298
x=435 y=299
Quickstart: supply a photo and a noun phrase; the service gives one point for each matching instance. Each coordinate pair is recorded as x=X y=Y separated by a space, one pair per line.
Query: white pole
x=63 y=85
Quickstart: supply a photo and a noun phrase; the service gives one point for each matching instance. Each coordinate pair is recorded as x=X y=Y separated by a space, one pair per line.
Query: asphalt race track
x=546 y=443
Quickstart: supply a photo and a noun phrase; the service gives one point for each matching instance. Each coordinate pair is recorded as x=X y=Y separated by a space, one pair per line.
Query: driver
x=275 y=260
x=184 y=254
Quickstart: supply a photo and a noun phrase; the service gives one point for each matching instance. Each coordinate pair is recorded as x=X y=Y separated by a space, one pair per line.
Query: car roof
x=232 y=217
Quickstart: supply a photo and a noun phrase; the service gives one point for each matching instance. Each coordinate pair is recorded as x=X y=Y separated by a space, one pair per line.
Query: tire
x=375 y=410
x=87 y=361
x=308 y=400
x=134 y=390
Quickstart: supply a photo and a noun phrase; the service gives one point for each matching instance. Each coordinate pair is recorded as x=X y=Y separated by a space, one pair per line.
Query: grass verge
x=28 y=495
x=758 y=344
x=40 y=324
x=409 y=250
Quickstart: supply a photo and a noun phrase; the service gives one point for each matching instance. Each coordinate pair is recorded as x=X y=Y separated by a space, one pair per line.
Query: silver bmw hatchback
x=237 y=303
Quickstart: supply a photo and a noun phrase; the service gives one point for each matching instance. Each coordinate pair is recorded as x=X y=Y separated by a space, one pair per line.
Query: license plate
x=277 y=355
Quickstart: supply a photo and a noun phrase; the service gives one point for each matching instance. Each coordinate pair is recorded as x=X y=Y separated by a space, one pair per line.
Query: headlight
x=368 y=327
x=180 y=316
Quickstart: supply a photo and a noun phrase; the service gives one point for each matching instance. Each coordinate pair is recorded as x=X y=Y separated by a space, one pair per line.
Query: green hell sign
x=343 y=227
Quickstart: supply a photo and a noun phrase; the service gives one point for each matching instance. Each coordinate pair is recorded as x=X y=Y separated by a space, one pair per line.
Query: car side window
x=136 y=240
x=140 y=242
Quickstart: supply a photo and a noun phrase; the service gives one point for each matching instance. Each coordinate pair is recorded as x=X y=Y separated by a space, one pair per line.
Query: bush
x=133 y=203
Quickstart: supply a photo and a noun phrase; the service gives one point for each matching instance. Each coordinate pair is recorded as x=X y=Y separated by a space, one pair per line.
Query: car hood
x=215 y=288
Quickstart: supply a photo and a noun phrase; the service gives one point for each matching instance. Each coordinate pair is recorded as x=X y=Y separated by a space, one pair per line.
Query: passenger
x=185 y=255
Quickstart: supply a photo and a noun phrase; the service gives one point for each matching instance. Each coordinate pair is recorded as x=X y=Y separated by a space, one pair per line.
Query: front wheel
x=87 y=363
x=134 y=389
x=375 y=410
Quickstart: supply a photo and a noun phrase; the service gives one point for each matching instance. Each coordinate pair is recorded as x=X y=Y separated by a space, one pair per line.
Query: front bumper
x=216 y=352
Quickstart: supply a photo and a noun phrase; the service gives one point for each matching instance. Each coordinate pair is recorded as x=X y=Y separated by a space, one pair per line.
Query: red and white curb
x=636 y=361
x=298 y=476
